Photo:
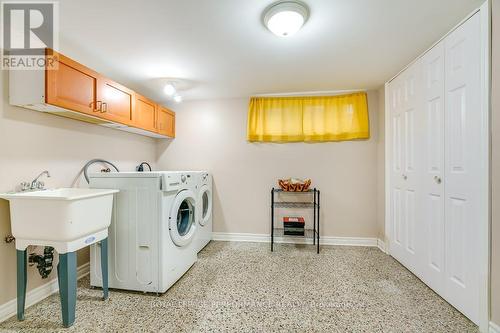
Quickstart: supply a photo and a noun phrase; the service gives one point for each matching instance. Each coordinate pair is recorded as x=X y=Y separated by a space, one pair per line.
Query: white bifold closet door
x=435 y=132
x=463 y=166
x=405 y=169
x=433 y=207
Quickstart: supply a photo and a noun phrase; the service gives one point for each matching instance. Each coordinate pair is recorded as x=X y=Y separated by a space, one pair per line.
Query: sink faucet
x=35 y=183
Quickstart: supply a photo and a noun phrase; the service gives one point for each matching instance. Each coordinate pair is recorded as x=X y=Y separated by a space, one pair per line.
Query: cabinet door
x=144 y=114
x=71 y=86
x=115 y=101
x=166 y=122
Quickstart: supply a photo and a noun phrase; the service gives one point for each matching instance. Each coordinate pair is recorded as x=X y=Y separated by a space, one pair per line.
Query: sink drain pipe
x=43 y=262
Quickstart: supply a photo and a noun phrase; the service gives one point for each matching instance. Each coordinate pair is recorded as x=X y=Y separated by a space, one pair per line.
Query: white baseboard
x=324 y=240
x=382 y=246
x=36 y=295
x=83 y=270
x=494 y=328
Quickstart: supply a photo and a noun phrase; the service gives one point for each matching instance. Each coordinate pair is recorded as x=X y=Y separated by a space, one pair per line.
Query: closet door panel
x=410 y=179
x=462 y=166
x=412 y=164
x=406 y=148
x=433 y=270
x=398 y=226
x=410 y=217
x=397 y=142
x=396 y=93
x=435 y=242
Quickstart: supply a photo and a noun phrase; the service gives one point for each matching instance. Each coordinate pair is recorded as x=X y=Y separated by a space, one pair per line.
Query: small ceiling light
x=285 y=18
x=169 y=89
x=178 y=98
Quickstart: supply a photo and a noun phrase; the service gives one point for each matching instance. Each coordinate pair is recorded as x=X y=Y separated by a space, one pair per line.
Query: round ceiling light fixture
x=285 y=18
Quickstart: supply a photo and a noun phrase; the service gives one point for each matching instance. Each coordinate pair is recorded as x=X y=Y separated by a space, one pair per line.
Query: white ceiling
x=220 y=49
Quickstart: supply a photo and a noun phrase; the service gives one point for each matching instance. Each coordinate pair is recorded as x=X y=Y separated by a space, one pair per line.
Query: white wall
x=212 y=135
x=31 y=142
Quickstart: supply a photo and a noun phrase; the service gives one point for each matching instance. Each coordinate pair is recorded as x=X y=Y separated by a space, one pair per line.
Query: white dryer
x=204 y=210
x=153 y=229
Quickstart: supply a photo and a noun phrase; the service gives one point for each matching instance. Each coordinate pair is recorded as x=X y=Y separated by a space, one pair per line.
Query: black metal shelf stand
x=315 y=205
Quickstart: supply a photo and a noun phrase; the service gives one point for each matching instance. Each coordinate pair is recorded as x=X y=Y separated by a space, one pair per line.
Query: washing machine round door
x=182 y=218
x=205 y=204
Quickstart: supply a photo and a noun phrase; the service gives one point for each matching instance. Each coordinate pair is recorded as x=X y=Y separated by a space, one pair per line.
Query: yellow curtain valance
x=310 y=119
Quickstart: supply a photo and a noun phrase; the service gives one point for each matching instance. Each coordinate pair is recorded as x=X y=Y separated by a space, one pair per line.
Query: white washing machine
x=153 y=229
x=204 y=210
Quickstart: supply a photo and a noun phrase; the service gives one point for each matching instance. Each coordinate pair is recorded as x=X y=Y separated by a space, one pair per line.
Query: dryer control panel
x=175 y=181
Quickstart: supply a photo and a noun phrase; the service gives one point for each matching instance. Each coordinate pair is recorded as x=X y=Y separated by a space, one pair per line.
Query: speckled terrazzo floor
x=243 y=287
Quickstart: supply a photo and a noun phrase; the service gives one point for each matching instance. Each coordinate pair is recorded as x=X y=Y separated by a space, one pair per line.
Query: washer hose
x=96 y=160
x=140 y=167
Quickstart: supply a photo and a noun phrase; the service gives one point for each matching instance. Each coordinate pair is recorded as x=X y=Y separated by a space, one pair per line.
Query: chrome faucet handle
x=25 y=186
x=36 y=184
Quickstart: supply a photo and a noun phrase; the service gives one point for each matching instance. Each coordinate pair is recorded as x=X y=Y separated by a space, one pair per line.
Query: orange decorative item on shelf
x=294 y=185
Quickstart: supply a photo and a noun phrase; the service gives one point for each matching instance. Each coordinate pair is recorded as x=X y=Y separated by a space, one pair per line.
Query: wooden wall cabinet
x=166 y=122
x=145 y=113
x=72 y=86
x=75 y=91
x=117 y=101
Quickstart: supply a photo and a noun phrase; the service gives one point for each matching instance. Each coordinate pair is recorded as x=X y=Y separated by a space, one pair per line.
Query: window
x=308 y=119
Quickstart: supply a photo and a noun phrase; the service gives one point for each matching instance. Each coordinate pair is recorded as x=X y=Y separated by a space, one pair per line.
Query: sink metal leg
x=66 y=271
x=104 y=268
x=22 y=280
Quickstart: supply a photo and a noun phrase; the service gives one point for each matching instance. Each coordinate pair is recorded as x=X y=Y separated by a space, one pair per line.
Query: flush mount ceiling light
x=285 y=18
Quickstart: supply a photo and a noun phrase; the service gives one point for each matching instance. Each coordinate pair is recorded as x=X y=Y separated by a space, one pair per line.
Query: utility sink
x=65 y=218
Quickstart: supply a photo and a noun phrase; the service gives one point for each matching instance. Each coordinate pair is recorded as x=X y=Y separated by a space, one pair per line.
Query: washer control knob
x=183 y=178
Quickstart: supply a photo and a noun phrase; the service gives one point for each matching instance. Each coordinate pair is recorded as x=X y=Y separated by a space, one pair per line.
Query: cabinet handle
x=437 y=179
x=405 y=177
x=97 y=104
x=104 y=107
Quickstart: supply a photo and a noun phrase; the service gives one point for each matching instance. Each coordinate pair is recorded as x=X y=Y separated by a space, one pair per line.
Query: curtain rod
x=311 y=93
